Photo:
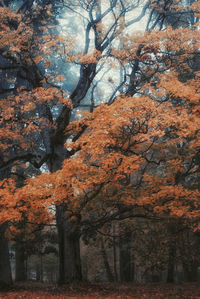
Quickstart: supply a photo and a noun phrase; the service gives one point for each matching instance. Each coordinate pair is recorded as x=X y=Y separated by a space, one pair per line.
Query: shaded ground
x=83 y=291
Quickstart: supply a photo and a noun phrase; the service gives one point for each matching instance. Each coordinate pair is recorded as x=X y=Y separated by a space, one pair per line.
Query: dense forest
x=99 y=141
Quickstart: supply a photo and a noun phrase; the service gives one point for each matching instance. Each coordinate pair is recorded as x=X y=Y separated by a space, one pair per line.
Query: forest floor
x=105 y=290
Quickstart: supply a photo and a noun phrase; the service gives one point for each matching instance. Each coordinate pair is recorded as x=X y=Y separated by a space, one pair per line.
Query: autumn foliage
x=103 y=291
x=128 y=152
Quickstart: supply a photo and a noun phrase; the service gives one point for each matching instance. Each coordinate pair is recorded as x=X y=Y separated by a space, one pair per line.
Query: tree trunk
x=38 y=274
x=69 y=248
x=115 y=255
x=106 y=263
x=171 y=261
x=5 y=269
x=126 y=271
x=20 y=267
x=190 y=271
x=41 y=268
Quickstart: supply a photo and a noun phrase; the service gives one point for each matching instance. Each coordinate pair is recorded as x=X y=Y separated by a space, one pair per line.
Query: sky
x=72 y=23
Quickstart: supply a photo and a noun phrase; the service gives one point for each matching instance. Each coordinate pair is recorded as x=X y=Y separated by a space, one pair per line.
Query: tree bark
x=41 y=268
x=115 y=255
x=69 y=248
x=171 y=261
x=126 y=271
x=38 y=274
x=5 y=269
x=20 y=267
x=190 y=271
x=106 y=263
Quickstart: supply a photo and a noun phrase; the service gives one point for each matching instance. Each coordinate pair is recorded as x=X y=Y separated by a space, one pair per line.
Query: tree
x=115 y=141
x=50 y=133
